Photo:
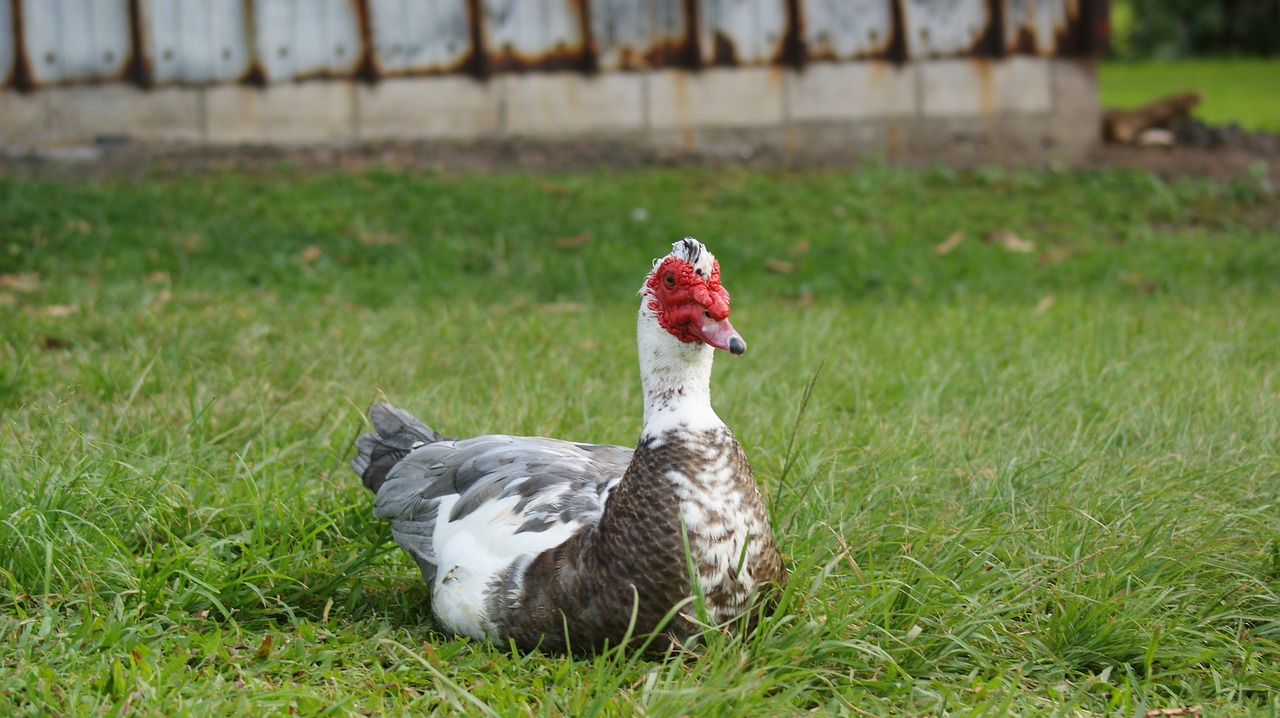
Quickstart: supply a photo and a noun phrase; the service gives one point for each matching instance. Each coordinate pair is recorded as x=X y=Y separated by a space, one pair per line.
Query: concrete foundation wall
x=1014 y=110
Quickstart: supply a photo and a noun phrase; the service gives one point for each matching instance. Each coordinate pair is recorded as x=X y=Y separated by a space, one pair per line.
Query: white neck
x=676 y=377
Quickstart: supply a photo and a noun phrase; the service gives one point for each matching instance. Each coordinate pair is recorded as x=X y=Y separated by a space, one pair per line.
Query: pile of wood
x=1150 y=124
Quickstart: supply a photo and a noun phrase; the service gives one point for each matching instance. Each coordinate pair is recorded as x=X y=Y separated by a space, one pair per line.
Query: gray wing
x=555 y=483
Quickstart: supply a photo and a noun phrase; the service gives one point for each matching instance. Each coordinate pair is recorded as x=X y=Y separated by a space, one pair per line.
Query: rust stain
x=1085 y=32
x=1088 y=29
x=1024 y=42
x=321 y=74
x=693 y=49
x=562 y=56
x=367 y=66
x=671 y=52
x=590 y=56
x=723 y=53
x=820 y=49
x=774 y=80
x=661 y=50
x=986 y=84
x=628 y=58
x=470 y=62
x=463 y=65
x=1095 y=19
x=990 y=42
x=791 y=50
x=21 y=76
x=24 y=78
x=477 y=62
x=664 y=53
x=254 y=73
x=364 y=68
x=896 y=48
x=879 y=72
x=1027 y=39
x=139 y=68
x=683 y=108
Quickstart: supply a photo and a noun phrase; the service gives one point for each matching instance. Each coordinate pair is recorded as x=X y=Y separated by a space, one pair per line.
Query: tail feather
x=397 y=433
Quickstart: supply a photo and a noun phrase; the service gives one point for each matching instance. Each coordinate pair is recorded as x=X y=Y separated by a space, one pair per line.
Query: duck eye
x=669 y=280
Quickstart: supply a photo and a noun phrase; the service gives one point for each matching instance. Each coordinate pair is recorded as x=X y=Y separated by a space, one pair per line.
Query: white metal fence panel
x=76 y=40
x=939 y=28
x=1033 y=25
x=415 y=36
x=523 y=33
x=295 y=39
x=206 y=42
x=195 y=41
x=637 y=34
x=742 y=32
x=621 y=31
x=846 y=29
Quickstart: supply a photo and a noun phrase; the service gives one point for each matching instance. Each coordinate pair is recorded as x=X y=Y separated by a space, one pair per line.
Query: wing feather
x=535 y=484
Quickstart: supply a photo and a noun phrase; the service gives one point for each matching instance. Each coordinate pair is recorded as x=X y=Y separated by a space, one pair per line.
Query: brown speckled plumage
x=633 y=560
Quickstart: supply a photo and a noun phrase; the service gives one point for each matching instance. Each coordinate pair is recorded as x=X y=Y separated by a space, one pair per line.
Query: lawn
x=1241 y=90
x=1038 y=473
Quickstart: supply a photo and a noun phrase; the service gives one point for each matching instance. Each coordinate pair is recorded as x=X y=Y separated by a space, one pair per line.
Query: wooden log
x=1124 y=126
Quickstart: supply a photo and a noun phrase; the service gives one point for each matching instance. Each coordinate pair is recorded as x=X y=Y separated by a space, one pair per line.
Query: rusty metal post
x=366 y=69
x=22 y=77
x=139 y=69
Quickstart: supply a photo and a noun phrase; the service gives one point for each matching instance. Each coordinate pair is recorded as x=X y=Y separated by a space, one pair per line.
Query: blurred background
x=1178 y=29
x=1225 y=51
x=618 y=82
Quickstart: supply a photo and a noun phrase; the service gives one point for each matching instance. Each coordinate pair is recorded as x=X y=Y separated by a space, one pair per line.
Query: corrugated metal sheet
x=76 y=40
x=536 y=34
x=212 y=41
x=941 y=28
x=846 y=29
x=194 y=41
x=1035 y=26
x=743 y=32
x=296 y=39
x=419 y=36
x=7 y=49
x=635 y=34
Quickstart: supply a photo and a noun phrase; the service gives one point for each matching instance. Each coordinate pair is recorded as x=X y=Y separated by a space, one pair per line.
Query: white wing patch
x=467 y=510
x=474 y=551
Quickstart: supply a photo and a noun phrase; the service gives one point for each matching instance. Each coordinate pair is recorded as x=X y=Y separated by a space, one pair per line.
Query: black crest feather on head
x=691 y=248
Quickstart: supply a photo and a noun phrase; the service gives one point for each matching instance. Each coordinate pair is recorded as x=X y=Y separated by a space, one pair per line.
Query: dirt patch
x=1222 y=153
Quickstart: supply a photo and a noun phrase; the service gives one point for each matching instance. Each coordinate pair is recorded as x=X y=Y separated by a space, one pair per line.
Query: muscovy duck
x=565 y=546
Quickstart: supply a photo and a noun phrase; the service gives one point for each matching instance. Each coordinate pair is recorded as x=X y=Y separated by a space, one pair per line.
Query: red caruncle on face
x=684 y=300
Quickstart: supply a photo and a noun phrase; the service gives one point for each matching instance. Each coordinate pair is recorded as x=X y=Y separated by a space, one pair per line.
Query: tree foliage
x=1165 y=29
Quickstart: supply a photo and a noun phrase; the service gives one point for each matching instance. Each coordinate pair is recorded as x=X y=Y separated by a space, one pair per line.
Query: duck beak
x=721 y=335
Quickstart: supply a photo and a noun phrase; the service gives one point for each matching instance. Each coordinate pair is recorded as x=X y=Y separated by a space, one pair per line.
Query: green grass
x=1240 y=90
x=1028 y=482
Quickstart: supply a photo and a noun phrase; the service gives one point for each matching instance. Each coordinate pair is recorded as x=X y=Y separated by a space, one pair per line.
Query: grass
x=1236 y=90
x=1037 y=476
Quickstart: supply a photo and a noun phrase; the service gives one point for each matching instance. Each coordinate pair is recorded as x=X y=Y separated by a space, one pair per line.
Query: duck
x=560 y=546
